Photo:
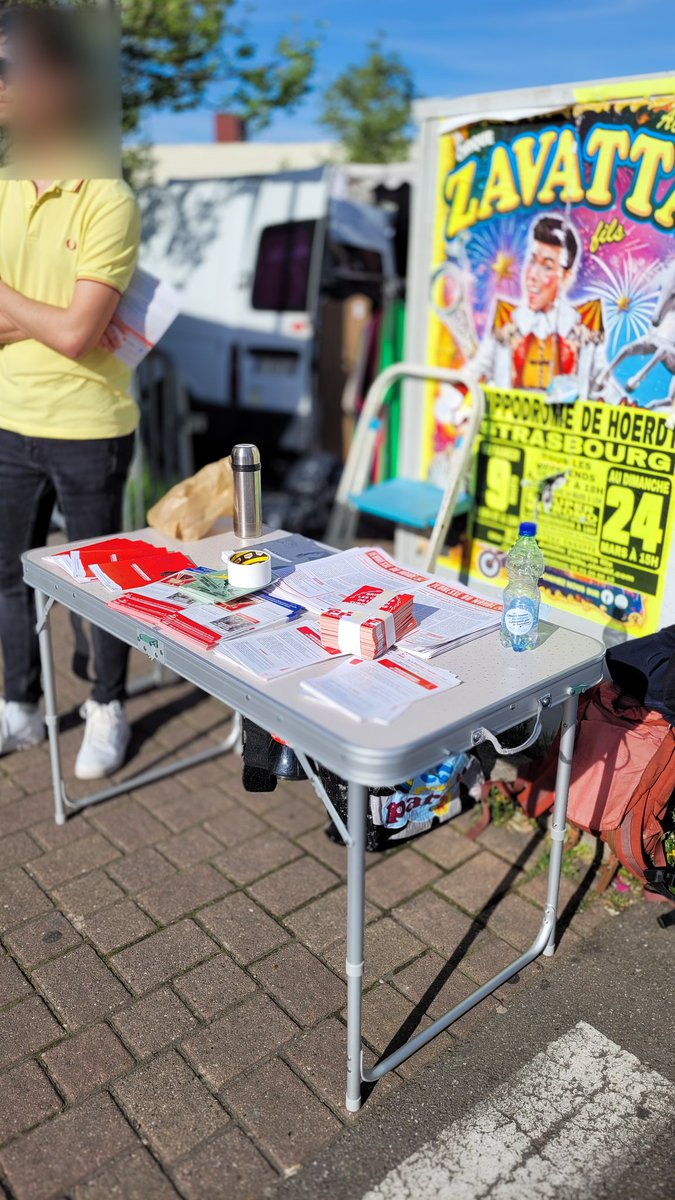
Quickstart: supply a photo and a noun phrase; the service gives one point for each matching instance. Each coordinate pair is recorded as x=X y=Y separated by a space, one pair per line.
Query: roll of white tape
x=249 y=569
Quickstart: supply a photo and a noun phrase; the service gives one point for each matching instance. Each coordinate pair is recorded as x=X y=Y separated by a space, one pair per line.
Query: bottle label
x=519 y=619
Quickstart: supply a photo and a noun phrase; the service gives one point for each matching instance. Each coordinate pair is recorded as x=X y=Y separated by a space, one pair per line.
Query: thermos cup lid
x=245 y=457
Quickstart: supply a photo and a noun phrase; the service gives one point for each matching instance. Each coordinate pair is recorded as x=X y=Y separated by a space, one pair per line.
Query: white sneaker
x=21 y=726
x=106 y=737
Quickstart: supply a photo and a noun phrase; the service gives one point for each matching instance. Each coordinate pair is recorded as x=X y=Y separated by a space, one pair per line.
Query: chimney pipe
x=230 y=128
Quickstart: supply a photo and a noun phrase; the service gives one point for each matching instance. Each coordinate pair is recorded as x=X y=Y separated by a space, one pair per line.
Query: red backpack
x=623 y=779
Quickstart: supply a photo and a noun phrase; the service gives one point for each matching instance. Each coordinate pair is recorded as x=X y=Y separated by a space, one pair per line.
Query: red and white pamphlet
x=141 y=569
x=77 y=563
x=120 y=563
x=446 y=614
x=380 y=690
x=367 y=622
x=278 y=653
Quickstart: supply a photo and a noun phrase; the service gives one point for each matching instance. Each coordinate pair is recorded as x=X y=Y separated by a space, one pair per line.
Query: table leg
x=545 y=939
x=559 y=824
x=63 y=804
x=356 y=871
x=51 y=711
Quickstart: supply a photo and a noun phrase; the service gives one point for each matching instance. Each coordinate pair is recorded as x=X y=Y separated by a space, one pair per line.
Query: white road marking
x=571 y=1117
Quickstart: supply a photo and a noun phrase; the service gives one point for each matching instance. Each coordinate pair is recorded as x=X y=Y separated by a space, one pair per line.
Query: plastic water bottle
x=525 y=565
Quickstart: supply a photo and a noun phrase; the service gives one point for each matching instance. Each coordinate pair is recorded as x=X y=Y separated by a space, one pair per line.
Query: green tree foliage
x=259 y=90
x=369 y=107
x=173 y=50
x=170 y=54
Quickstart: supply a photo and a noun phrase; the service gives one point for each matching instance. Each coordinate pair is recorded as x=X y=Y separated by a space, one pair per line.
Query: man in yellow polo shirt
x=68 y=250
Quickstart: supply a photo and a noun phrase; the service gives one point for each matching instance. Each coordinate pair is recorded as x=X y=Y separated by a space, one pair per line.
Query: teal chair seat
x=408 y=502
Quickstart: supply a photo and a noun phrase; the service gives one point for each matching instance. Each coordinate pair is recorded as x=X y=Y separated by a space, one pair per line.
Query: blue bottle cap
x=528 y=529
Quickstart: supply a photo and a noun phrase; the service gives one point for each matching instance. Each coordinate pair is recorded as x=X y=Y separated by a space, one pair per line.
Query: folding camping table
x=499 y=690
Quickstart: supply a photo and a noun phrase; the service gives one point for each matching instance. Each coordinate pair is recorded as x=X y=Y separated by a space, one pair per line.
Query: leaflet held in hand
x=145 y=312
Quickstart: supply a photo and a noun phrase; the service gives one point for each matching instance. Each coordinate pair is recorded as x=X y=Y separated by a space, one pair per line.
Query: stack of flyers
x=120 y=563
x=449 y=616
x=446 y=615
x=79 y=563
x=250 y=614
x=193 y=633
x=148 y=609
x=370 y=622
x=204 y=624
x=273 y=655
x=379 y=691
x=132 y=572
x=169 y=616
x=225 y=621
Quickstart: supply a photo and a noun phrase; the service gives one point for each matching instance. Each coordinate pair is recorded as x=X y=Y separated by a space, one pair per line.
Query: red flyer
x=135 y=572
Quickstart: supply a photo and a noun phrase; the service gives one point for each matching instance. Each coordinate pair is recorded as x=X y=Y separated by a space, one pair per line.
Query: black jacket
x=645 y=668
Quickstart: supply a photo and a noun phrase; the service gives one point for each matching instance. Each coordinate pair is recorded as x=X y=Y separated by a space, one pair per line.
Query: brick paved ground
x=171 y=973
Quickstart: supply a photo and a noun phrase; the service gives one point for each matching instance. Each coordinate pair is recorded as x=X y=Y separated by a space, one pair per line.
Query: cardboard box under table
x=499 y=690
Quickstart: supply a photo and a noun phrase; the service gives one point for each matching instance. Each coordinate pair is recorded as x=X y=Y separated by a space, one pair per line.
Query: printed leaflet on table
x=380 y=690
x=272 y=655
x=136 y=572
x=78 y=563
x=161 y=604
x=446 y=614
x=120 y=563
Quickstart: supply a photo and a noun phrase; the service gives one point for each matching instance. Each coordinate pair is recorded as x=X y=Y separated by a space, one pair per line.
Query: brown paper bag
x=190 y=509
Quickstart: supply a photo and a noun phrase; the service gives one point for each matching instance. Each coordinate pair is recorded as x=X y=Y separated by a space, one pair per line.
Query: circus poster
x=553 y=282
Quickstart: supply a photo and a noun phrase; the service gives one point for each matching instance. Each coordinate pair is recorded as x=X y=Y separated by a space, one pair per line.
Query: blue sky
x=489 y=44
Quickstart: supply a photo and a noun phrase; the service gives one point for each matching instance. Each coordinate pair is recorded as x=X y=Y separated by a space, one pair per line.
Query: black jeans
x=87 y=478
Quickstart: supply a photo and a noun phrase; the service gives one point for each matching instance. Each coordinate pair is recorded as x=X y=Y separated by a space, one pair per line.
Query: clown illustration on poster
x=558 y=272
x=553 y=282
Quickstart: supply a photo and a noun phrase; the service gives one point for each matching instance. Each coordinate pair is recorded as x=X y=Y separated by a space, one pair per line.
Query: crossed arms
x=72 y=331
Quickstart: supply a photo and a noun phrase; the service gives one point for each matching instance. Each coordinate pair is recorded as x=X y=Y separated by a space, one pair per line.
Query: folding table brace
x=63 y=804
x=544 y=943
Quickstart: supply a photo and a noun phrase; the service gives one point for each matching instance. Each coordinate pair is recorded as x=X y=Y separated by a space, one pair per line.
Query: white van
x=266 y=266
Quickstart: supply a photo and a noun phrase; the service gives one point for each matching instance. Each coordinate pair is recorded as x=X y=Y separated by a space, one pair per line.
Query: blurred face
x=59 y=93
x=545 y=276
x=5 y=90
x=44 y=96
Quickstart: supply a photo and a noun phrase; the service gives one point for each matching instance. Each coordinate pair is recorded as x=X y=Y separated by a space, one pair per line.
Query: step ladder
x=413 y=504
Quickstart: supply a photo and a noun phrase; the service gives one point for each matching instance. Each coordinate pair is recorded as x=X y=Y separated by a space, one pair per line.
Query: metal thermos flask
x=247 y=493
